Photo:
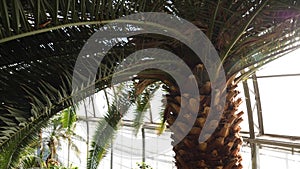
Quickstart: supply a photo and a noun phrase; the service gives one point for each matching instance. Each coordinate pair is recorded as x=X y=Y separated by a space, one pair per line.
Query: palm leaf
x=45 y=14
x=29 y=158
x=245 y=31
x=102 y=137
x=68 y=118
x=108 y=126
x=18 y=143
x=142 y=104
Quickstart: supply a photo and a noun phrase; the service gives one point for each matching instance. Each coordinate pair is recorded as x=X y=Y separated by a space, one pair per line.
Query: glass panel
x=272 y=158
x=246 y=154
x=127 y=150
x=288 y=64
x=280 y=104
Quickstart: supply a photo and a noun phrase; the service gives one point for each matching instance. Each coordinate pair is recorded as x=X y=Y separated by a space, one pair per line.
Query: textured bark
x=221 y=149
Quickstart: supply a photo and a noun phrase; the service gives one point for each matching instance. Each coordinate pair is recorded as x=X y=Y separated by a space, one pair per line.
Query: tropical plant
x=68 y=121
x=41 y=41
x=61 y=126
x=143 y=166
x=30 y=159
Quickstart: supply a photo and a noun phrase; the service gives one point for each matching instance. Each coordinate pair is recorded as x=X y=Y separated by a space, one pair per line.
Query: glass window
x=280 y=105
x=271 y=158
x=279 y=86
x=288 y=64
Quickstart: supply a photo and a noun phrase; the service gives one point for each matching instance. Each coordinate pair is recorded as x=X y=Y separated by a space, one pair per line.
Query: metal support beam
x=150 y=114
x=267 y=141
x=94 y=111
x=111 y=154
x=249 y=110
x=282 y=75
x=254 y=148
x=144 y=146
x=258 y=105
x=87 y=131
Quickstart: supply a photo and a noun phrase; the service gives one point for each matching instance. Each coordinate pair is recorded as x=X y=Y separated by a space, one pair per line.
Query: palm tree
x=41 y=41
x=60 y=127
x=63 y=127
x=68 y=121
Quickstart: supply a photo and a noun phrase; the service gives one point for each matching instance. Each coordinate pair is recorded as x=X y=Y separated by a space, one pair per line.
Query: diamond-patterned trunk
x=221 y=149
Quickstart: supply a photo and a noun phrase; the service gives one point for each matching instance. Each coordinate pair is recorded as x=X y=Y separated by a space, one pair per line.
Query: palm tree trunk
x=52 y=146
x=221 y=149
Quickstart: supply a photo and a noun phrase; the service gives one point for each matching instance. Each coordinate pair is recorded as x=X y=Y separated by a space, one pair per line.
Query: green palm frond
x=104 y=133
x=25 y=16
x=109 y=125
x=246 y=32
x=142 y=103
x=68 y=118
x=46 y=98
x=30 y=159
x=23 y=131
x=18 y=143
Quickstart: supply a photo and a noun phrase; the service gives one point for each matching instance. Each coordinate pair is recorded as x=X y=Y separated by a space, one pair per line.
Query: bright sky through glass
x=280 y=95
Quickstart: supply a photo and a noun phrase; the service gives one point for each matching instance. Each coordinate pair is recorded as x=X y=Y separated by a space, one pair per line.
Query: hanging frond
x=104 y=133
x=29 y=159
x=109 y=125
x=25 y=17
x=246 y=32
x=142 y=104
x=68 y=118
x=18 y=143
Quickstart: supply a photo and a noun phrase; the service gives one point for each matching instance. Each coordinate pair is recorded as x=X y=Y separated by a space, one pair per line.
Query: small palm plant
x=143 y=165
x=44 y=152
